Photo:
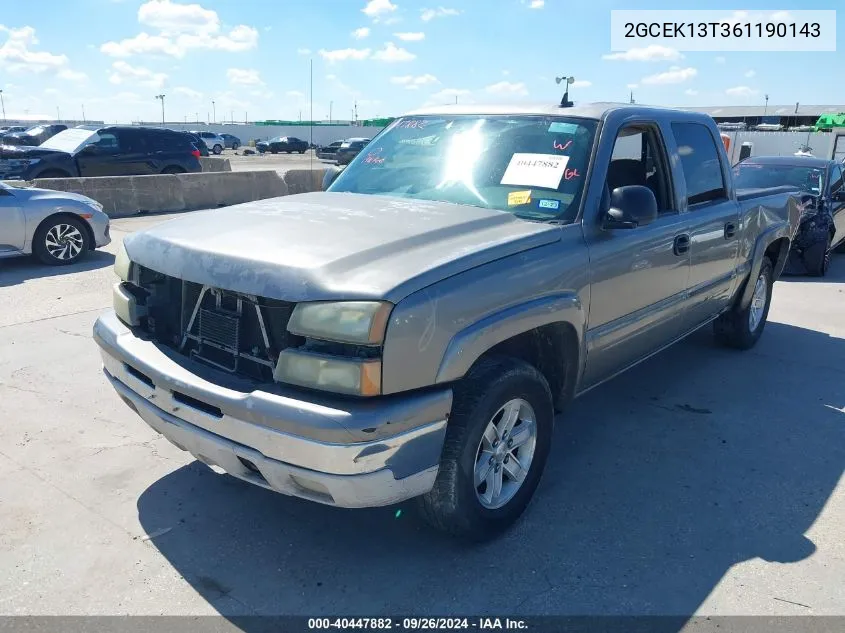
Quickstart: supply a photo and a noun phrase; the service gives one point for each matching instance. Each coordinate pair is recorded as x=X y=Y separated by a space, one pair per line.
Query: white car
x=214 y=142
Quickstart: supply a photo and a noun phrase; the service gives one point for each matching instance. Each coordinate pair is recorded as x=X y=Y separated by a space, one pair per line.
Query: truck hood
x=319 y=246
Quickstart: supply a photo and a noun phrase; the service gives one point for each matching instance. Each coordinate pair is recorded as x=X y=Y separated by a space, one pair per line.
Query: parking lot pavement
x=278 y=162
x=703 y=481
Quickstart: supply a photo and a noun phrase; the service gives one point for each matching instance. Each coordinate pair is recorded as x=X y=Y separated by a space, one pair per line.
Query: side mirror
x=630 y=207
x=332 y=172
x=89 y=150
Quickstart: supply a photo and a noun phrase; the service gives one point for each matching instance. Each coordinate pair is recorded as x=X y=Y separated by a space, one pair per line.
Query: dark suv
x=107 y=151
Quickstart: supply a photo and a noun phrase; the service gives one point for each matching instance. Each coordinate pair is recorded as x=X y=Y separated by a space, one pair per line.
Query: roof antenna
x=565 y=102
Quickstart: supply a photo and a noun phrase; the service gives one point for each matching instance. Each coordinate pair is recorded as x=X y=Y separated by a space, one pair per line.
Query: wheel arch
x=775 y=244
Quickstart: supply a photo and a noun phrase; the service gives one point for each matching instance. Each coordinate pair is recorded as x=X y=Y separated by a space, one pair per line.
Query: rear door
x=638 y=277
x=713 y=215
x=12 y=222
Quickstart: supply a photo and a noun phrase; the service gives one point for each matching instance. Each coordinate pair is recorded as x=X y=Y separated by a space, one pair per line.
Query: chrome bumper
x=264 y=438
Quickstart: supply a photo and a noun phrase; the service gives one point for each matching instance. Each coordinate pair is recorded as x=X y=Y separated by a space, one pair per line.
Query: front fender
x=762 y=244
x=472 y=342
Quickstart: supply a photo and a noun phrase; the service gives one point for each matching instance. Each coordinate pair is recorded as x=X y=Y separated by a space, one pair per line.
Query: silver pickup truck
x=411 y=331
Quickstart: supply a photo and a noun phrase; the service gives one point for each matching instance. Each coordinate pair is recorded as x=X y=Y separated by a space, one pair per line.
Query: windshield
x=532 y=166
x=756 y=175
x=70 y=141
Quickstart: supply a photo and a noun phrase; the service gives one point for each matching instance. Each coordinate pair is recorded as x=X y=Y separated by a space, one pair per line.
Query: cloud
x=690 y=92
x=675 y=75
x=181 y=28
x=410 y=37
x=507 y=88
x=651 y=53
x=360 y=34
x=188 y=92
x=376 y=8
x=720 y=60
x=741 y=91
x=581 y=83
x=750 y=73
x=439 y=12
x=343 y=54
x=450 y=93
x=303 y=51
x=410 y=82
x=16 y=55
x=72 y=75
x=295 y=93
x=125 y=73
x=244 y=77
x=536 y=4
x=393 y=53
x=632 y=86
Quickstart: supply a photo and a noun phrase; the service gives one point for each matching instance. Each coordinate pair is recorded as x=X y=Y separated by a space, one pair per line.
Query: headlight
x=122 y=264
x=356 y=377
x=357 y=322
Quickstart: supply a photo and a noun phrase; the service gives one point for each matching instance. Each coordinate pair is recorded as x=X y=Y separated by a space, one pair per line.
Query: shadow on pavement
x=17 y=270
x=658 y=483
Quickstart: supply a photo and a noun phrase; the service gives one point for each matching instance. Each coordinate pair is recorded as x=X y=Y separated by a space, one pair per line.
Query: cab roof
x=594 y=111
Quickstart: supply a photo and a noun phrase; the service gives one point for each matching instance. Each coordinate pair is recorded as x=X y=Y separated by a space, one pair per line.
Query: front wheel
x=817 y=258
x=741 y=328
x=61 y=241
x=218 y=149
x=497 y=441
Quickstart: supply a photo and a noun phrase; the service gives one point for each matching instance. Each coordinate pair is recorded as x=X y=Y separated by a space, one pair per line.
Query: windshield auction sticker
x=535 y=170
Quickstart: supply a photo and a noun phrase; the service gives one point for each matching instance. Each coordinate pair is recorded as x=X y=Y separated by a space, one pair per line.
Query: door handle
x=681 y=244
x=730 y=230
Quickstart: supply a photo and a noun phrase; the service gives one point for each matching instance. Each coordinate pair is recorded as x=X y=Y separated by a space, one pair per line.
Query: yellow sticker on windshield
x=518 y=197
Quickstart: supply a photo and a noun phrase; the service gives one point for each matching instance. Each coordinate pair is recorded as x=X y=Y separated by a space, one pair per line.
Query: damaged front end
x=811 y=240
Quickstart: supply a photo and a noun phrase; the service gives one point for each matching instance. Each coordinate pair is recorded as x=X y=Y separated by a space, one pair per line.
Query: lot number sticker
x=535 y=170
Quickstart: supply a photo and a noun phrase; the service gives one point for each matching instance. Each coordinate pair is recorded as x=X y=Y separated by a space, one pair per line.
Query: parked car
x=425 y=317
x=349 y=149
x=287 y=144
x=10 y=129
x=57 y=227
x=231 y=141
x=214 y=142
x=822 y=226
x=198 y=144
x=33 y=136
x=328 y=152
x=104 y=151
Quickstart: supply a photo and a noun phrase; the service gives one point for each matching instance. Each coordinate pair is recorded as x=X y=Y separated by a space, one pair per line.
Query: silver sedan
x=57 y=227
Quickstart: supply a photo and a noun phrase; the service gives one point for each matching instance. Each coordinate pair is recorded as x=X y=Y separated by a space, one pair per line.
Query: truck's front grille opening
x=199 y=405
x=140 y=376
x=233 y=332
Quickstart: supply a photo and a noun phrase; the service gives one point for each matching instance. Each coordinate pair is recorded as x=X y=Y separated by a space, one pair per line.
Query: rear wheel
x=217 y=149
x=302 y=151
x=817 y=258
x=61 y=241
x=235 y=146
x=497 y=441
x=741 y=328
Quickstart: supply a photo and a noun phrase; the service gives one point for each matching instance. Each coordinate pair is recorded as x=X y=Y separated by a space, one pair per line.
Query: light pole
x=4 y=106
x=766 y=109
x=565 y=102
x=331 y=103
x=83 y=113
x=214 y=110
x=161 y=98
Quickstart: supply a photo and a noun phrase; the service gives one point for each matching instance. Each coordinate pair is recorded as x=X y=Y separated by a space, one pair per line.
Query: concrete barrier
x=215 y=163
x=128 y=195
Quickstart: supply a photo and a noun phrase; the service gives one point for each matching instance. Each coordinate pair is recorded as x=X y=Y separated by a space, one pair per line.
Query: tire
x=272 y=151
x=217 y=149
x=737 y=328
x=302 y=151
x=173 y=170
x=235 y=146
x=54 y=173
x=455 y=504
x=841 y=248
x=60 y=241
x=817 y=260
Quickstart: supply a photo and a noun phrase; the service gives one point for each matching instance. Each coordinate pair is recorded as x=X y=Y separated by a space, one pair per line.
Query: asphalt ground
x=705 y=481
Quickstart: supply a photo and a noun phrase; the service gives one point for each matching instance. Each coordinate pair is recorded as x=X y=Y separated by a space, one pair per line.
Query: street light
x=4 y=106
x=161 y=97
x=766 y=109
x=214 y=110
x=565 y=102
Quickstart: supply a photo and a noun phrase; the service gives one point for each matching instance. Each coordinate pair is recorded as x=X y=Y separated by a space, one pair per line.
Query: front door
x=639 y=276
x=714 y=221
x=12 y=222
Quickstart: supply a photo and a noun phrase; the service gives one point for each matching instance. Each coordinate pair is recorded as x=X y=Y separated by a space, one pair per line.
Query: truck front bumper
x=306 y=447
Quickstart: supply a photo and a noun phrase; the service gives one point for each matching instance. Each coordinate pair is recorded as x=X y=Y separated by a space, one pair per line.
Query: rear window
x=700 y=163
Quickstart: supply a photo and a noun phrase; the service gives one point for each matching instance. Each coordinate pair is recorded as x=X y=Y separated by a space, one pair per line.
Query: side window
x=108 y=142
x=638 y=159
x=835 y=179
x=131 y=141
x=700 y=163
